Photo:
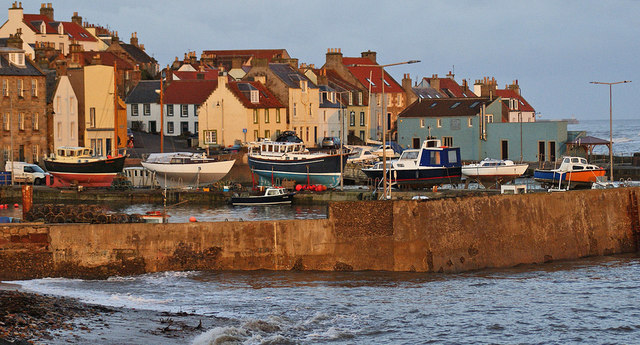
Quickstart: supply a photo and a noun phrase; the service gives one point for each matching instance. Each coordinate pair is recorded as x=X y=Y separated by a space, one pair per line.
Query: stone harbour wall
x=446 y=235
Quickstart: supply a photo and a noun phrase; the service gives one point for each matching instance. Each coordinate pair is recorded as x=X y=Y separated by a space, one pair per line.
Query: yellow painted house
x=240 y=111
x=99 y=105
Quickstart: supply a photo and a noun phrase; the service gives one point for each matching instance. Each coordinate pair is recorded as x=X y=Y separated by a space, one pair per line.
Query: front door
x=552 y=151
x=152 y=126
x=541 y=152
x=416 y=143
x=184 y=127
x=504 y=150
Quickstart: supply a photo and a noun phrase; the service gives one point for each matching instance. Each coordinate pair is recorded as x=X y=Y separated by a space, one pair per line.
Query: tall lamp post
x=611 y=121
x=387 y=193
x=342 y=130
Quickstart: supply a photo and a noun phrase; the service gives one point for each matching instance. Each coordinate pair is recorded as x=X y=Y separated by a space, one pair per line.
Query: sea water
x=626 y=134
x=589 y=301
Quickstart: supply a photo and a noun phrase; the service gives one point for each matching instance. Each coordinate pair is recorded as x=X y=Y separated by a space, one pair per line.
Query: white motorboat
x=187 y=169
x=493 y=171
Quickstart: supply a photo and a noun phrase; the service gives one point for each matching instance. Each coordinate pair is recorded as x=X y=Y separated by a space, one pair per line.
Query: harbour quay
x=441 y=235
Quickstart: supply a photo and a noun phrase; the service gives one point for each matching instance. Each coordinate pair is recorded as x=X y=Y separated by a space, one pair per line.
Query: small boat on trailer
x=494 y=172
x=271 y=196
x=82 y=167
x=574 y=172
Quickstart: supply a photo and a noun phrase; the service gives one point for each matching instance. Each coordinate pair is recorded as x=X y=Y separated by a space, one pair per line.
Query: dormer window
x=303 y=85
x=255 y=97
x=60 y=29
x=43 y=28
x=17 y=59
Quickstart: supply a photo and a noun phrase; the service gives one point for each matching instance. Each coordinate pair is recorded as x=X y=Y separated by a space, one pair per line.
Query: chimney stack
x=369 y=55
x=134 y=39
x=435 y=82
x=334 y=57
x=47 y=11
x=76 y=19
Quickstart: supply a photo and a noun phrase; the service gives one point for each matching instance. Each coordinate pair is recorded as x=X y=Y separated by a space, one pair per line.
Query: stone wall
x=447 y=235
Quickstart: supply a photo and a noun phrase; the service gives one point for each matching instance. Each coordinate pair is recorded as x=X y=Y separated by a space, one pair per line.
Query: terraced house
x=23 y=107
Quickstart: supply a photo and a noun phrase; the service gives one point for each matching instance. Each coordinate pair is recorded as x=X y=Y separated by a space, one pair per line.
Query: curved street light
x=610 y=122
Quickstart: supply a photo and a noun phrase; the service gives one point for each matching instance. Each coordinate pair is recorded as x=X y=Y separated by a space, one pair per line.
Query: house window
x=146 y=109
x=5 y=122
x=255 y=134
x=439 y=123
x=447 y=141
x=6 y=150
x=34 y=88
x=184 y=110
x=195 y=127
x=361 y=135
x=59 y=127
x=195 y=110
x=92 y=118
x=359 y=98
x=35 y=151
x=310 y=107
x=489 y=118
x=350 y=98
x=277 y=133
x=421 y=123
x=352 y=118
x=470 y=122
x=255 y=96
x=255 y=116
x=211 y=137
x=20 y=90
x=72 y=130
x=34 y=122
x=169 y=109
x=266 y=116
x=294 y=110
x=267 y=133
x=134 y=110
x=21 y=121
x=170 y=127
x=5 y=88
x=277 y=115
x=362 y=118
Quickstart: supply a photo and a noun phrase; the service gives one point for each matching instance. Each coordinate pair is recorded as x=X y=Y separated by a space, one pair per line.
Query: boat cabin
x=576 y=164
x=275 y=148
x=74 y=152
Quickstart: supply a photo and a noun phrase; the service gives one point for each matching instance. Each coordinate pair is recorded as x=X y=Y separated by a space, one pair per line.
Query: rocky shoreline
x=28 y=318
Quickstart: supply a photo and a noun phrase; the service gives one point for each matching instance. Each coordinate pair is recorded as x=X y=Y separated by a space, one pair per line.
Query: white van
x=26 y=172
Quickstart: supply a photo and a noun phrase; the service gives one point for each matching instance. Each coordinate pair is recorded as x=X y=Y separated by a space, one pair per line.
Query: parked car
x=26 y=172
x=330 y=143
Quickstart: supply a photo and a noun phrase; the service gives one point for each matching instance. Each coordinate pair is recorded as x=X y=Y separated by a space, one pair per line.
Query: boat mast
x=115 y=110
x=161 y=116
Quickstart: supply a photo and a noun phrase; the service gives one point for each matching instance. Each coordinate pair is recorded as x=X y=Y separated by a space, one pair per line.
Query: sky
x=553 y=48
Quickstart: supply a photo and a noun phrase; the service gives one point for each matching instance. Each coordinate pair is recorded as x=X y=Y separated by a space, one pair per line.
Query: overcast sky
x=553 y=48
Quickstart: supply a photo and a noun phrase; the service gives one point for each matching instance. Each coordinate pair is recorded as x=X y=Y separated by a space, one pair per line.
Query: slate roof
x=430 y=107
x=269 y=54
x=427 y=92
x=136 y=53
x=9 y=69
x=324 y=100
x=189 y=91
x=340 y=85
x=242 y=90
x=589 y=140
x=506 y=93
x=290 y=76
x=144 y=92
x=363 y=73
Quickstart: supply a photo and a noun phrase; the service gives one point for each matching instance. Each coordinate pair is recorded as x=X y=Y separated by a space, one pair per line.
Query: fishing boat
x=271 y=196
x=79 y=166
x=430 y=165
x=493 y=171
x=186 y=169
x=276 y=160
x=574 y=172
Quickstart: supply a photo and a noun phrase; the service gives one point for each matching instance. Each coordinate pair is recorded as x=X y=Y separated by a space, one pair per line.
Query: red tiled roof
x=256 y=53
x=106 y=58
x=189 y=91
x=266 y=98
x=506 y=93
x=30 y=18
x=77 y=32
x=453 y=87
x=211 y=74
x=363 y=73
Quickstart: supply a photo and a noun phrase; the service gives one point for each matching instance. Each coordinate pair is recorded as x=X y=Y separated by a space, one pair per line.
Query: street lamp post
x=386 y=194
x=611 y=122
x=342 y=130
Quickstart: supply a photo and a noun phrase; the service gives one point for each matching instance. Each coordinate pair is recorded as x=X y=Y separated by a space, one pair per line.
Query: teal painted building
x=480 y=128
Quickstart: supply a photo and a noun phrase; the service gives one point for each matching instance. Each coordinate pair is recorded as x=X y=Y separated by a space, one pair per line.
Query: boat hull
x=324 y=170
x=574 y=179
x=494 y=174
x=262 y=200
x=189 y=175
x=427 y=176
x=99 y=173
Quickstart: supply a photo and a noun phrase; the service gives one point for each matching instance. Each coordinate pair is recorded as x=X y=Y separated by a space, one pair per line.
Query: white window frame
x=470 y=122
x=421 y=123
x=210 y=136
x=35 y=122
x=170 y=127
x=184 y=110
x=20 y=89
x=255 y=96
x=134 y=110
x=21 y=121
x=489 y=118
x=5 y=87
x=146 y=109
x=362 y=119
x=5 y=122
x=34 y=88
x=169 y=109
x=92 y=118
x=438 y=123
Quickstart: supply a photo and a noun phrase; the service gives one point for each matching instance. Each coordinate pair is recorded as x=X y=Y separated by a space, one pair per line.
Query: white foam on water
x=221 y=335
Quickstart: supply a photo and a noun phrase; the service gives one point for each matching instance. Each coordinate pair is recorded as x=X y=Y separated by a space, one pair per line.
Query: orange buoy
x=192 y=219
x=298 y=187
x=16 y=205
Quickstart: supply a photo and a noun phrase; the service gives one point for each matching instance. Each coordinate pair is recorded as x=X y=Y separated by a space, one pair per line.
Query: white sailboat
x=187 y=169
